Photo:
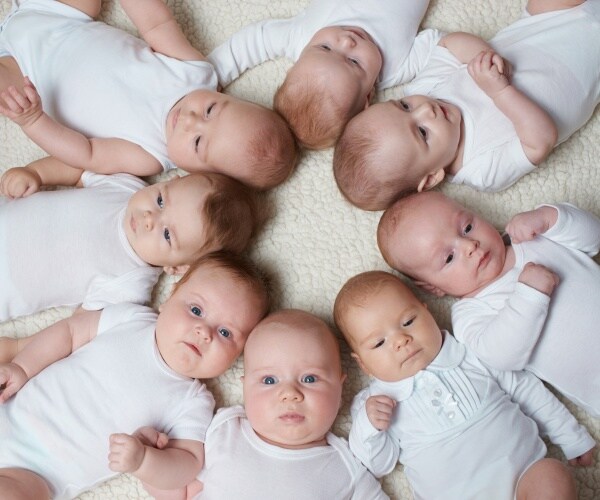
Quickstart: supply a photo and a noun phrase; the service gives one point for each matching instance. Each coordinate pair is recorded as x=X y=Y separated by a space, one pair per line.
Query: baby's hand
x=126 y=453
x=12 y=378
x=22 y=107
x=490 y=72
x=539 y=277
x=379 y=411
x=149 y=436
x=527 y=225
x=19 y=182
x=583 y=460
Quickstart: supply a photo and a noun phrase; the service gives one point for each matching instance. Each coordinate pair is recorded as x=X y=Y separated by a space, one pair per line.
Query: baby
x=340 y=49
x=116 y=103
x=109 y=242
x=280 y=444
x=97 y=373
x=470 y=121
x=461 y=429
x=531 y=305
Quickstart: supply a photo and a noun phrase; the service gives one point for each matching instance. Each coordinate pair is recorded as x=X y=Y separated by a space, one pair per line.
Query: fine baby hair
x=430 y=400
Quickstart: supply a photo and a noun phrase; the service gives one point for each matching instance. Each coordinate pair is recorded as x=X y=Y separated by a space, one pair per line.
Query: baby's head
x=203 y=326
x=397 y=147
x=170 y=224
x=443 y=246
x=391 y=333
x=292 y=379
x=332 y=81
x=209 y=131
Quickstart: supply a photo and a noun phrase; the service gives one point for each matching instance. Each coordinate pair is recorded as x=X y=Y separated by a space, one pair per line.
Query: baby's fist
x=379 y=411
x=527 y=225
x=23 y=107
x=584 y=460
x=539 y=277
x=489 y=71
x=19 y=182
x=126 y=453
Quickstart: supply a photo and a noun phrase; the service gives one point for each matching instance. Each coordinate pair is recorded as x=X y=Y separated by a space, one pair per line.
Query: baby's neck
x=457 y=164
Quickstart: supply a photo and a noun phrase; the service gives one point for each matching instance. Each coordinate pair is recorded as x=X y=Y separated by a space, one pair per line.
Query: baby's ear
x=431 y=180
x=360 y=363
x=181 y=269
x=438 y=292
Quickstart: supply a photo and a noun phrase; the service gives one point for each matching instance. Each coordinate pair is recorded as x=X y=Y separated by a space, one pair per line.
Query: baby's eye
x=196 y=311
x=269 y=380
x=167 y=235
x=468 y=228
x=409 y=322
x=403 y=105
x=379 y=344
x=159 y=201
x=423 y=132
x=209 y=110
x=196 y=143
x=450 y=258
x=224 y=332
x=325 y=47
x=309 y=379
x=353 y=61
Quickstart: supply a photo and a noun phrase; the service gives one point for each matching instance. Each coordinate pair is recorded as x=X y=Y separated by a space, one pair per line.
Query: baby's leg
x=9 y=347
x=10 y=73
x=21 y=484
x=547 y=478
x=541 y=6
x=89 y=7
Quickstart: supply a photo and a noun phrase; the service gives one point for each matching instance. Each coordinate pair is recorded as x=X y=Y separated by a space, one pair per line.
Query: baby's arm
x=377 y=449
x=156 y=25
x=172 y=467
x=47 y=346
x=19 y=182
x=552 y=417
x=104 y=156
x=535 y=128
x=465 y=46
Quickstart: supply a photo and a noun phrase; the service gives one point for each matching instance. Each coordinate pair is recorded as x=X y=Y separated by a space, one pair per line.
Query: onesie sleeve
x=191 y=418
x=249 y=47
x=576 y=229
x=503 y=338
x=378 y=450
x=552 y=417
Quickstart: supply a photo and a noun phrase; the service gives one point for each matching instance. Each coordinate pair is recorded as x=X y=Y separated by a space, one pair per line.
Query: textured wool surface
x=315 y=240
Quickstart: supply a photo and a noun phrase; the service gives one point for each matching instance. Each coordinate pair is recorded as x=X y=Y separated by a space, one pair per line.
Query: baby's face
x=203 y=326
x=165 y=222
x=292 y=384
x=209 y=131
x=424 y=132
x=441 y=243
x=392 y=334
x=349 y=59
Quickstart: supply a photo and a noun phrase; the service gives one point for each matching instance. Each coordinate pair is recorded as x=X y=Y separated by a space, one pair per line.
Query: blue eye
x=403 y=105
x=309 y=379
x=423 y=132
x=468 y=228
x=196 y=311
x=379 y=344
x=449 y=258
x=167 y=235
x=353 y=61
x=224 y=332
x=409 y=322
x=159 y=201
x=269 y=380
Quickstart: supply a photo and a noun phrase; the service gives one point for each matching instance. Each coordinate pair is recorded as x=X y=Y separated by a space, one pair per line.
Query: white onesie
x=59 y=423
x=464 y=431
x=510 y=325
x=97 y=79
x=68 y=247
x=556 y=61
x=240 y=465
x=391 y=23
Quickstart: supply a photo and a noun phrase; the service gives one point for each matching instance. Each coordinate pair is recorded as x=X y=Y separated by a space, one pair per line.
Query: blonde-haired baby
x=117 y=103
x=461 y=429
x=76 y=393
x=529 y=301
x=464 y=116
x=342 y=50
x=109 y=241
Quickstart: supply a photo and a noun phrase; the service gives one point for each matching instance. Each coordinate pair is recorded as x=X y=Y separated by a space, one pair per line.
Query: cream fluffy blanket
x=316 y=241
